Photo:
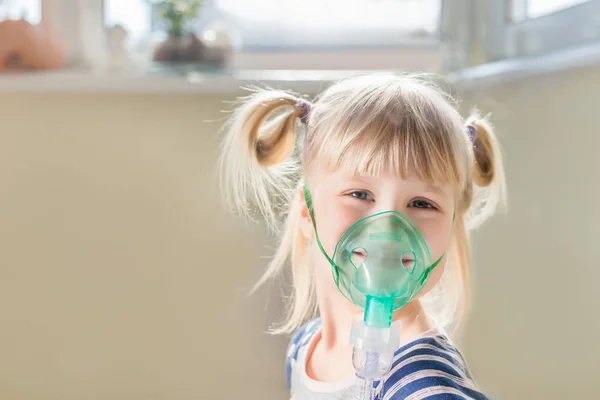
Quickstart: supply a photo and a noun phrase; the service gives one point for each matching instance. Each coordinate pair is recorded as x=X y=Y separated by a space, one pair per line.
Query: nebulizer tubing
x=379 y=282
x=375 y=339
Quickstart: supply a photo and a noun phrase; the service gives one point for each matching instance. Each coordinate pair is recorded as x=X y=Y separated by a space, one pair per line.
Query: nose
x=391 y=204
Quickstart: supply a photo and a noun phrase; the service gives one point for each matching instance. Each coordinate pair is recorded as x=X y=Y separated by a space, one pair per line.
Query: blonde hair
x=363 y=125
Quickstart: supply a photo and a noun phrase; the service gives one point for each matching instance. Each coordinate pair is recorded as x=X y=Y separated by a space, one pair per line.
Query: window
x=134 y=15
x=331 y=23
x=257 y=26
x=537 y=8
x=31 y=10
x=518 y=31
x=544 y=26
x=260 y=27
x=473 y=31
x=285 y=24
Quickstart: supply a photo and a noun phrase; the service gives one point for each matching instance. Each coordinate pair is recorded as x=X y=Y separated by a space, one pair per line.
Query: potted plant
x=181 y=45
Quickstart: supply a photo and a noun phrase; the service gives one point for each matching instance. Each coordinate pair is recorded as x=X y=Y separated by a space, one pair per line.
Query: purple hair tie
x=472 y=132
x=305 y=106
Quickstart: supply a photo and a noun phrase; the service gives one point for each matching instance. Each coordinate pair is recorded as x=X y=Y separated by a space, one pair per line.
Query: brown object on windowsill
x=186 y=49
x=24 y=46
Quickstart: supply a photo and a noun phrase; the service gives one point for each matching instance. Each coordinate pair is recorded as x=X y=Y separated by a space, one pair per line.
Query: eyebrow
x=429 y=187
x=360 y=178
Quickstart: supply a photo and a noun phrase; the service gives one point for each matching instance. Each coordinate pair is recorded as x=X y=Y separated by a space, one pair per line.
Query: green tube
x=378 y=312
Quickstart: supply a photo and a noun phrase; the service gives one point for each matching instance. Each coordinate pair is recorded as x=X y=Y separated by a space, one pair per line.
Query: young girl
x=368 y=144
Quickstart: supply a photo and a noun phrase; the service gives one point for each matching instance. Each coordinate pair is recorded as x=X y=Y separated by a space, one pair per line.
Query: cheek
x=437 y=233
x=332 y=220
x=434 y=278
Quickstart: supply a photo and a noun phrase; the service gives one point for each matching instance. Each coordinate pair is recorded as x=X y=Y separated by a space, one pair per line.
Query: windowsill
x=508 y=71
x=303 y=70
x=306 y=81
x=230 y=83
x=353 y=44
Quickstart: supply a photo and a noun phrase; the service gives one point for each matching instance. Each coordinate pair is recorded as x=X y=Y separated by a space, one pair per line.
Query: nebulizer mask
x=380 y=263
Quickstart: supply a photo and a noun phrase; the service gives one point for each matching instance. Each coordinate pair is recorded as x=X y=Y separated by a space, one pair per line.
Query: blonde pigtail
x=257 y=169
x=489 y=192
x=260 y=170
x=480 y=201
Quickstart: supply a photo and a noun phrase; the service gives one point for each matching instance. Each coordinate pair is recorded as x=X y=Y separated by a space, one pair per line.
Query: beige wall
x=535 y=328
x=121 y=277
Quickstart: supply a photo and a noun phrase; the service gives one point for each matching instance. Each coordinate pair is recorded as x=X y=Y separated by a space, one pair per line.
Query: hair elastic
x=472 y=132
x=305 y=106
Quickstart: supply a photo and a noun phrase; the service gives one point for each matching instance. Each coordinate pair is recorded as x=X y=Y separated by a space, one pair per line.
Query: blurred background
x=121 y=277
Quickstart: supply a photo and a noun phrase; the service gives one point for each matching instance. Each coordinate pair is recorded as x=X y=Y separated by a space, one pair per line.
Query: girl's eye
x=360 y=195
x=421 y=204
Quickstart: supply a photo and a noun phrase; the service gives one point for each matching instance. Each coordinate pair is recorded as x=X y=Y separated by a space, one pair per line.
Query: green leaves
x=177 y=13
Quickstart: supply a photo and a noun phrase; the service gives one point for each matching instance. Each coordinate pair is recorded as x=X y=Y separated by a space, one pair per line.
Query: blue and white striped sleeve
x=299 y=339
x=429 y=369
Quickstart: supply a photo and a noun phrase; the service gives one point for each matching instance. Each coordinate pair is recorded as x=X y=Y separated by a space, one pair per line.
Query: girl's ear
x=306 y=225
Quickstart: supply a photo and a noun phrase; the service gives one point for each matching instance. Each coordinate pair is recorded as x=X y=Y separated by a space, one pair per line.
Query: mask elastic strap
x=436 y=263
x=311 y=213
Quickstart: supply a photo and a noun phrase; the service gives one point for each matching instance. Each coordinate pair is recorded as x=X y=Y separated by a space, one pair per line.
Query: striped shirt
x=427 y=368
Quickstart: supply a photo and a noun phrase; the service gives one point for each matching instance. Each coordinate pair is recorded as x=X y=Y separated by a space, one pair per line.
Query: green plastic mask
x=380 y=263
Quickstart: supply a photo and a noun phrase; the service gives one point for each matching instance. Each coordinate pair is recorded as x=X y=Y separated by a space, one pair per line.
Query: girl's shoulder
x=429 y=367
x=299 y=339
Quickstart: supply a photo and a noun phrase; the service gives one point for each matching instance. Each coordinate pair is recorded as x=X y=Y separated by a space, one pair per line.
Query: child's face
x=339 y=200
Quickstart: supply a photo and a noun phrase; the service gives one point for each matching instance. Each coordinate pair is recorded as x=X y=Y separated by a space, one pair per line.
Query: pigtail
x=257 y=169
x=485 y=194
x=489 y=192
x=260 y=170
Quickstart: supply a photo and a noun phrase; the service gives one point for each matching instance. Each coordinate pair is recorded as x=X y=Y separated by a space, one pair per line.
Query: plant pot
x=180 y=49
